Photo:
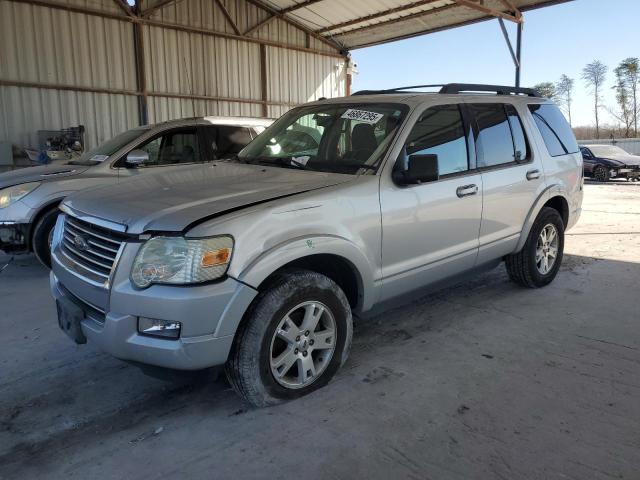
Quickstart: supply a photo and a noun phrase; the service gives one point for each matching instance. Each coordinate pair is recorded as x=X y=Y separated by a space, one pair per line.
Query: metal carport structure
x=111 y=65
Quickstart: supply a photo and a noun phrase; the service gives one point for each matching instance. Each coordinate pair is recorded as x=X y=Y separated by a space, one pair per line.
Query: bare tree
x=546 y=89
x=564 y=90
x=625 y=102
x=630 y=71
x=594 y=75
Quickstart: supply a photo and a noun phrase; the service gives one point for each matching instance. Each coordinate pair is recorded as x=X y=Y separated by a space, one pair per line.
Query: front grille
x=92 y=250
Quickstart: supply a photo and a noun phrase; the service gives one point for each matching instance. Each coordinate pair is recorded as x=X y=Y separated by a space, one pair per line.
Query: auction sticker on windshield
x=362 y=116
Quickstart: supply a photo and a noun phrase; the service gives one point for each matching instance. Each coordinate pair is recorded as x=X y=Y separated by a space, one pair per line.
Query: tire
x=250 y=368
x=523 y=267
x=601 y=174
x=42 y=233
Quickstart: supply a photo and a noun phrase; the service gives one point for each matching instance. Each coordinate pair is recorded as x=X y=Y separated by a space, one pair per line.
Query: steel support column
x=141 y=78
x=519 y=54
x=263 y=80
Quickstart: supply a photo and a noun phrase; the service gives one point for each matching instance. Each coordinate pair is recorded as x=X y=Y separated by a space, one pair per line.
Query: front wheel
x=601 y=174
x=43 y=236
x=537 y=264
x=295 y=337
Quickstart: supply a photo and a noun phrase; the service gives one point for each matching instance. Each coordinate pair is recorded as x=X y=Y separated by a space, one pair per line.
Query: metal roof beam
x=422 y=14
x=512 y=8
x=487 y=10
x=124 y=7
x=260 y=4
x=260 y=24
x=227 y=15
x=298 y=6
x=374 y=16
x=162 y=3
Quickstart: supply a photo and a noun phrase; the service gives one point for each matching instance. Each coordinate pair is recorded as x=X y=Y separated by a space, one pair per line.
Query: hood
x=174 y=200
x=37 y=174
x=630 y=160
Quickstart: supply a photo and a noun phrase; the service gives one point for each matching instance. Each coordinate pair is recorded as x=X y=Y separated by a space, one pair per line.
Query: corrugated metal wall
x=51 y=46
x=44 y=45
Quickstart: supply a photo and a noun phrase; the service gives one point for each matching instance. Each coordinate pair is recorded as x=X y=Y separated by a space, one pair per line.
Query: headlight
x=12 y=194
x=181 y=261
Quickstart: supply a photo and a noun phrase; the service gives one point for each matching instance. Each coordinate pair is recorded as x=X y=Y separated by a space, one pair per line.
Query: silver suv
x=29 y=197
x=258 y=262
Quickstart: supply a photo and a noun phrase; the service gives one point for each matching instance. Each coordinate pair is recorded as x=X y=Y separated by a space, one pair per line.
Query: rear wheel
x=295 y=337
x=43 y=236
x=601 y=174
x=537 y=264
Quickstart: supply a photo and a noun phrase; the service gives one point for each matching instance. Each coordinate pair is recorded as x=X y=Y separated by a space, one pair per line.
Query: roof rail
x=454 y=88
x=498 y=89
x=395 y=90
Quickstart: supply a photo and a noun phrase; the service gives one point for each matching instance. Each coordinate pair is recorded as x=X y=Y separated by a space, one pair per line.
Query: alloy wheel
x=600 y=174
x=547 y=249
x=302 y=345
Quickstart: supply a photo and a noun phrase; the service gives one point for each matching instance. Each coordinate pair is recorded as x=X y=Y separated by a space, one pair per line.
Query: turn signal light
x=214 y=258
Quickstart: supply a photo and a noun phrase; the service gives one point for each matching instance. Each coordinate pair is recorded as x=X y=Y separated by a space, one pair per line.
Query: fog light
x=159 y=328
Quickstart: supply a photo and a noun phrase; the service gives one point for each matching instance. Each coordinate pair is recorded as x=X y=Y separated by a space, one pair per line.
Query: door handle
x=533 y=174
x=466 y=190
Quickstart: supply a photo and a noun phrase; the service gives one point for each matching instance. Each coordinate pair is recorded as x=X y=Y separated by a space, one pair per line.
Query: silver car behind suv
x=29 y=197
x=258 y=262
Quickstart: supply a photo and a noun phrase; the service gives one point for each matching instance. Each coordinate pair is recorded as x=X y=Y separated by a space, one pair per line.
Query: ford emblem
x=81 y=243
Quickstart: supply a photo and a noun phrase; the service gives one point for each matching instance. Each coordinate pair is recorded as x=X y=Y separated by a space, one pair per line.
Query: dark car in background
x=605 y=162
x=29 y=197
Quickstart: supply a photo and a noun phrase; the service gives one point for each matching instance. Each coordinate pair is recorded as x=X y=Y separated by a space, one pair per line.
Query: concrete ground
x=484 y=380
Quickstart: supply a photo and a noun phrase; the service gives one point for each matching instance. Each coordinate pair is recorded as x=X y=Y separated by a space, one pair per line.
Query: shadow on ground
x=481 y=380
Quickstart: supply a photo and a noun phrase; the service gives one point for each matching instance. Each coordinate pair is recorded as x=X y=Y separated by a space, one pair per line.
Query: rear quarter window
x=555 y=130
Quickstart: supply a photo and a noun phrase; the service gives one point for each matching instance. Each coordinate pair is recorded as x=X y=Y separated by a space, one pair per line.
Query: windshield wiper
x=280 y=161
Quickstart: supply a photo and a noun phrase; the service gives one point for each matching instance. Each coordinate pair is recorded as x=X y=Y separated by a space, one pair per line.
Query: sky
x=557 y=40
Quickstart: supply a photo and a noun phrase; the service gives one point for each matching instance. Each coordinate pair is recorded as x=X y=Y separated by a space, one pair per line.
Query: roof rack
x=455 y=88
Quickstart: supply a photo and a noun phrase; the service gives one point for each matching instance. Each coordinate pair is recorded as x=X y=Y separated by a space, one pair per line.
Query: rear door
x=430 y=230
x=512 y=176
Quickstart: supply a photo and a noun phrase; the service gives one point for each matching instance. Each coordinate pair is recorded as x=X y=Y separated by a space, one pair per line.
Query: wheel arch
x=334 y=257
x=335 y=267
x=554 y=197
x=42 y=211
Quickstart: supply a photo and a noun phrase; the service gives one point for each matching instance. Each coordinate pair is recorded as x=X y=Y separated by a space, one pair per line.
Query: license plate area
x=70 y=317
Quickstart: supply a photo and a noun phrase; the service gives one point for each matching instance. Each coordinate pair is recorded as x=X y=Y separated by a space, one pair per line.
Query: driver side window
x=440 y=131
x=172 y=147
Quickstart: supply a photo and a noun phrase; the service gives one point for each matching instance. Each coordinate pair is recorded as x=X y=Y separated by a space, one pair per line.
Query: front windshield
x=108 y=148
x=606 y=150
x=348 y=139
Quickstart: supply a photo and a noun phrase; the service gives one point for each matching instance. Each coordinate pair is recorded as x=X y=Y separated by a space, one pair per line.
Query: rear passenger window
x=519 y=139
x=494 y=145
x=555 y=130
x=440 y=131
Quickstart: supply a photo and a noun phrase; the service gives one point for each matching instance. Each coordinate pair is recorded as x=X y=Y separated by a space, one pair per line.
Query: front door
x=430 y=230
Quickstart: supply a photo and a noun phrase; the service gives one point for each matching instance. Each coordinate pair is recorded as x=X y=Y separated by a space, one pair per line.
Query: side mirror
x=137 y=157
x=420 y=169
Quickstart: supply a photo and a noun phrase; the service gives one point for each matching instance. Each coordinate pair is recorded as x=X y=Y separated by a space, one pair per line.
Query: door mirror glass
x=421 y=168
x=137 y=157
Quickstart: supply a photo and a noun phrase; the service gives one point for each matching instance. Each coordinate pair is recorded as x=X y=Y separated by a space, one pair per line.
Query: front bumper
x=627 y=173
x=14 y=237
x=210 y=315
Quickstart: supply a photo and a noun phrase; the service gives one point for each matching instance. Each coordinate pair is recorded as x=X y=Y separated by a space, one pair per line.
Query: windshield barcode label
x=362 y=116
